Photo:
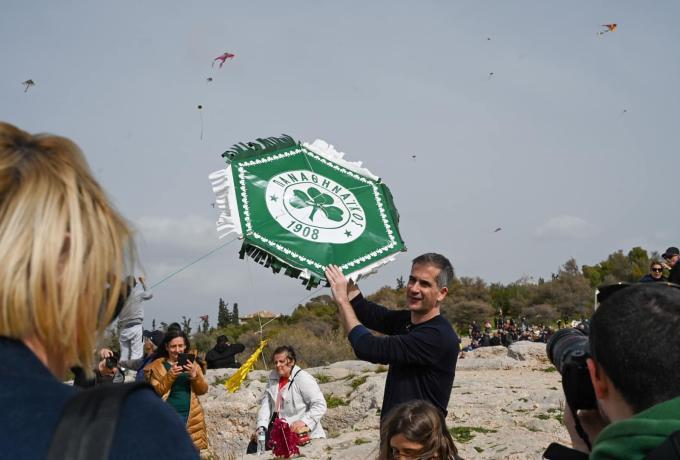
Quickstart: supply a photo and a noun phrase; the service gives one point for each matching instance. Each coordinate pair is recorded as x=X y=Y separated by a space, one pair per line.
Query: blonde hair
x=64 y=249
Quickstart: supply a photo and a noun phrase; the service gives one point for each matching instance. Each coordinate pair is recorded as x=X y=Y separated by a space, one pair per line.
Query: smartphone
x=184 y=358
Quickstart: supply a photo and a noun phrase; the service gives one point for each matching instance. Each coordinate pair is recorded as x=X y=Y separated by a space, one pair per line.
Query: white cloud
x=564 y=226
x=190 y=232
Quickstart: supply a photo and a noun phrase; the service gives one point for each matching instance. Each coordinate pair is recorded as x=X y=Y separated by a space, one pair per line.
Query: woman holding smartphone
x=178 y=379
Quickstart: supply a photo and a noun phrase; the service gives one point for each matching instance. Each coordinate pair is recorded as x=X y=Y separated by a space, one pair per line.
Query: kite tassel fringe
x=228 y=220
x=264 y=258
x=326 y=150
x=259 y=146
x=370 y=269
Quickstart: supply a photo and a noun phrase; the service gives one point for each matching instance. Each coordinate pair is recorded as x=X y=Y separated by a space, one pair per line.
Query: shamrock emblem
x=317 y=200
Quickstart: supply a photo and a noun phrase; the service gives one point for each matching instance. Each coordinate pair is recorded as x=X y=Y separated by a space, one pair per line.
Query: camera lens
x=566 y=343
x=111 y=362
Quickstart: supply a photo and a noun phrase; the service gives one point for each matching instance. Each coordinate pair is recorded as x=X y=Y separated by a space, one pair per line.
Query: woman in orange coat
x=180 y=384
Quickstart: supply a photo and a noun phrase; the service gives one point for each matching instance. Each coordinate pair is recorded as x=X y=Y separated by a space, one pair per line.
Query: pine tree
x=223 y=315
x=400 y=282
x=153 y=324
x=186 y=325
x=234 y=316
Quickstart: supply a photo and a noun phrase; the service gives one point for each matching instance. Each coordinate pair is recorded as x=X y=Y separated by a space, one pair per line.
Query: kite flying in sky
x=222 y=58
x=28 y=83
x=498 y=229
x=608 y=28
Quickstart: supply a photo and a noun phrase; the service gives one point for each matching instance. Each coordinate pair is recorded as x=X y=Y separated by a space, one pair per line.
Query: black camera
x=112 y=362
x=568 y=351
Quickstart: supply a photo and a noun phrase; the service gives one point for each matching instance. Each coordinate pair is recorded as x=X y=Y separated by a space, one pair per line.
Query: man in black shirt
x=672 y=256
x=223 y=355
x=420 y=345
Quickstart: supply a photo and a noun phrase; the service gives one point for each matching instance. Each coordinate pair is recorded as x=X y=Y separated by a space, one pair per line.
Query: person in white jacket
x=293 y=395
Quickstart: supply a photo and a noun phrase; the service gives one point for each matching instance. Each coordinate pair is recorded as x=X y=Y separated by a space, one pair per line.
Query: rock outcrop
x=506 y=403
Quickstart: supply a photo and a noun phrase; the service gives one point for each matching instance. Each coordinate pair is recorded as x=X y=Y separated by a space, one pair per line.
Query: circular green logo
x=314 y=207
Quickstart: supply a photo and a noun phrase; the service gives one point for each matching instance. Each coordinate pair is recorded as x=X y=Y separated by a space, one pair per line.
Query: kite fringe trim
x=369 y=269
x=309 y=279
x=326 y=150
x=259 y=147
x=228 y=220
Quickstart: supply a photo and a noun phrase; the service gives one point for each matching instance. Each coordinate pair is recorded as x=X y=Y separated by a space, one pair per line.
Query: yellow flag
x=234 y=382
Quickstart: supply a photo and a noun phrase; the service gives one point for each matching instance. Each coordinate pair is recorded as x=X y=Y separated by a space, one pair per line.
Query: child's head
x=416 y=430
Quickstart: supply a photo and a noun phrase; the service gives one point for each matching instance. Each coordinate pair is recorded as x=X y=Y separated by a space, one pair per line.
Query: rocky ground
x=505 y=404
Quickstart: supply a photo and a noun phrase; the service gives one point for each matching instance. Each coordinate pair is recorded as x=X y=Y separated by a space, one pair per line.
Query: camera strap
x=88 y=422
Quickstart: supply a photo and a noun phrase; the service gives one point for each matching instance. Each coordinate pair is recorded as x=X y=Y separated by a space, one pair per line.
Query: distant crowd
x=506 y=331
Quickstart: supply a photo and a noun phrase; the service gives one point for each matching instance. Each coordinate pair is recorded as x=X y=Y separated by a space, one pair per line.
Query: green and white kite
x=300 y=207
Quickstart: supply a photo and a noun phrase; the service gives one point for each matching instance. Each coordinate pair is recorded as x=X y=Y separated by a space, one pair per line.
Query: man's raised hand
x=338 y=282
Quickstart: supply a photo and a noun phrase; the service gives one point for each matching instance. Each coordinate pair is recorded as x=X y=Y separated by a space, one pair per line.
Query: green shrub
x=357 y=382
x=220 y=380
x=334 y=401
x=322 y=378
x=360 y=441
x=466 y=433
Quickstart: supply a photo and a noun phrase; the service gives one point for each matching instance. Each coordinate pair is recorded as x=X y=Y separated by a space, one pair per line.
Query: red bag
x=283 y=441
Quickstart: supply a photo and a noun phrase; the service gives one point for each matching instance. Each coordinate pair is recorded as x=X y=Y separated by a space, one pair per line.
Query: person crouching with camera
x=178 y=379
x=108 y=371
x=622 y=381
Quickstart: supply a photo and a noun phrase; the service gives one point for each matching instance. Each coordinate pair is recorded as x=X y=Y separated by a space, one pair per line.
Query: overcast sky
x=519 y=114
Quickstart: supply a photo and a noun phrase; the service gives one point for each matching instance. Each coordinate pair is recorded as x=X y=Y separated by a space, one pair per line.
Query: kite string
x=304 y=153
x=193 y=262
x=359 y=187
x=262 y=326
x=201 y=113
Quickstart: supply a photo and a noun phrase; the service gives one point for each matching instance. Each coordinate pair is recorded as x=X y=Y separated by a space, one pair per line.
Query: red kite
x=222 y=58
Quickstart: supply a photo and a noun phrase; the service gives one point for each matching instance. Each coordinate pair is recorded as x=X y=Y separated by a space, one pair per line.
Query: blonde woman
x=64 y=253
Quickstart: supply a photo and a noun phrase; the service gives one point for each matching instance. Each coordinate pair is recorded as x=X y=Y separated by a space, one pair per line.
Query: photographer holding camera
x=621 y=382
x=107 y=372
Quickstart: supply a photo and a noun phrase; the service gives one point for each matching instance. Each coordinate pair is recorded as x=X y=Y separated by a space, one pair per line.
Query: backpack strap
x=667 y=450
x=293 y=379
x=88 y=422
